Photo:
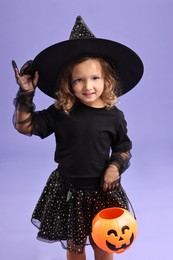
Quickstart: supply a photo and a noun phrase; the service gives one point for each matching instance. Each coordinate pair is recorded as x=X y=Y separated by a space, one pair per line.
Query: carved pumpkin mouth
x=124 y=246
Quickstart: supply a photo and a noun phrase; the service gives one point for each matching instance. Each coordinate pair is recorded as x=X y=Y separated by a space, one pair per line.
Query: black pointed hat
x=82 y=42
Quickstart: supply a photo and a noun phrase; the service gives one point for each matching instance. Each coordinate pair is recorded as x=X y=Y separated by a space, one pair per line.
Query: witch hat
x=82 y=42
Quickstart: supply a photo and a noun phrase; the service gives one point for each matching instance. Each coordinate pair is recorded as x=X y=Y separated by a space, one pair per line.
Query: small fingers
x=14 y=65
x=114 y=185
x=106 y=186
x=26 y=78
x=35 y=79
x=16 y=71
x=111 y=186
x=26 y=68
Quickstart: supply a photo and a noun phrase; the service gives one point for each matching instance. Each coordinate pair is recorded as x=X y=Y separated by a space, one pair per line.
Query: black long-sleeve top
x=87 y=140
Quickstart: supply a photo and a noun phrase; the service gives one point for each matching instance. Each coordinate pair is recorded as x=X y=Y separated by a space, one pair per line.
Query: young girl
x=92 y=145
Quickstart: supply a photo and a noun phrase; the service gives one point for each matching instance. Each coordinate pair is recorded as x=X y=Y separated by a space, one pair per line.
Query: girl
x=92 y=145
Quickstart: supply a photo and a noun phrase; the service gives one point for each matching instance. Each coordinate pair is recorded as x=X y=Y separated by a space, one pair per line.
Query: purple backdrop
x=27 y=27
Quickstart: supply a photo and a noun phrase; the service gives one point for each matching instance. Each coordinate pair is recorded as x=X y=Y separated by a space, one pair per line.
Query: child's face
x=88 y=83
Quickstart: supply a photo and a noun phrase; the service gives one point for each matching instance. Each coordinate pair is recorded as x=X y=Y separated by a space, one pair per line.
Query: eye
x=124 y=228
x=76 y=81
x=112 y=231
x=96 y=77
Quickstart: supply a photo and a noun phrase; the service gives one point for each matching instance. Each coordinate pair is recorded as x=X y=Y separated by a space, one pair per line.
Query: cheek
x=76 y=90
x=101 y=88
x=102 y=91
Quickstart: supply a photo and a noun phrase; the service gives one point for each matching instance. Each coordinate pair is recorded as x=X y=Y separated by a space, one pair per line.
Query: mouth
x=88 y=95
x=123 y=247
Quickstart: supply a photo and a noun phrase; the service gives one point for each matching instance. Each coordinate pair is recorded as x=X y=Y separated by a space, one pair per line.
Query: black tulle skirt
x=65 y=211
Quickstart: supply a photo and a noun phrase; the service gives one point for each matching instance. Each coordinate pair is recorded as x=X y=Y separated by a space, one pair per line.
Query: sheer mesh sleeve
x=121 y=148
x=122 y=161
x=39 y=123
x=23 y=102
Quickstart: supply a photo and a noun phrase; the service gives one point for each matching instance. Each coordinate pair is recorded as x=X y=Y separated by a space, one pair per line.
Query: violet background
x=26 y=28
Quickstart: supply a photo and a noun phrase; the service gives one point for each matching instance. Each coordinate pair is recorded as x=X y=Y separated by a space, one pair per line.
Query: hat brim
x=50 y=61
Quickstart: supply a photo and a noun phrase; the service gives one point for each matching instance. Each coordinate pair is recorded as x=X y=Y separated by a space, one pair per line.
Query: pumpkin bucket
x=114 y=229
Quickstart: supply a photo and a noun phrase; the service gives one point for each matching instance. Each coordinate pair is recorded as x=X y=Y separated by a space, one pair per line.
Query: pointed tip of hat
x=79 y=18
x=80 y=29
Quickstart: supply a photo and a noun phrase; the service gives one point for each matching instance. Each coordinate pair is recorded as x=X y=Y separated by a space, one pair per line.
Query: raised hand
x=25 y=78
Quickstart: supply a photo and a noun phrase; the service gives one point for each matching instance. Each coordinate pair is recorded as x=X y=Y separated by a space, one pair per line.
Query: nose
x=87 y=85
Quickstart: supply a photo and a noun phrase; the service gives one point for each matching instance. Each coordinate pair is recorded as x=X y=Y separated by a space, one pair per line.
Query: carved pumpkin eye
x=124 y=229
x=112 y=231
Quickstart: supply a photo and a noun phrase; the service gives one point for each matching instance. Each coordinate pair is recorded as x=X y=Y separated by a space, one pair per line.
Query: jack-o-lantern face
x=120 y=238
x=114 y=230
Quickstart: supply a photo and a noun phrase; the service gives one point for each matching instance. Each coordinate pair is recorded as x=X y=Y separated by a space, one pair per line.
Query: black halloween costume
x=73 y=194
x=87 y=140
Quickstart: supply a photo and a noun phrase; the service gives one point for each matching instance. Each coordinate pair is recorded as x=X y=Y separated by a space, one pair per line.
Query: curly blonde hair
x=65 y=96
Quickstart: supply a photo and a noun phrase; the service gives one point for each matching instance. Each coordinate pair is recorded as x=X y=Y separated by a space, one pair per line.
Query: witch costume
x=73 y=194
